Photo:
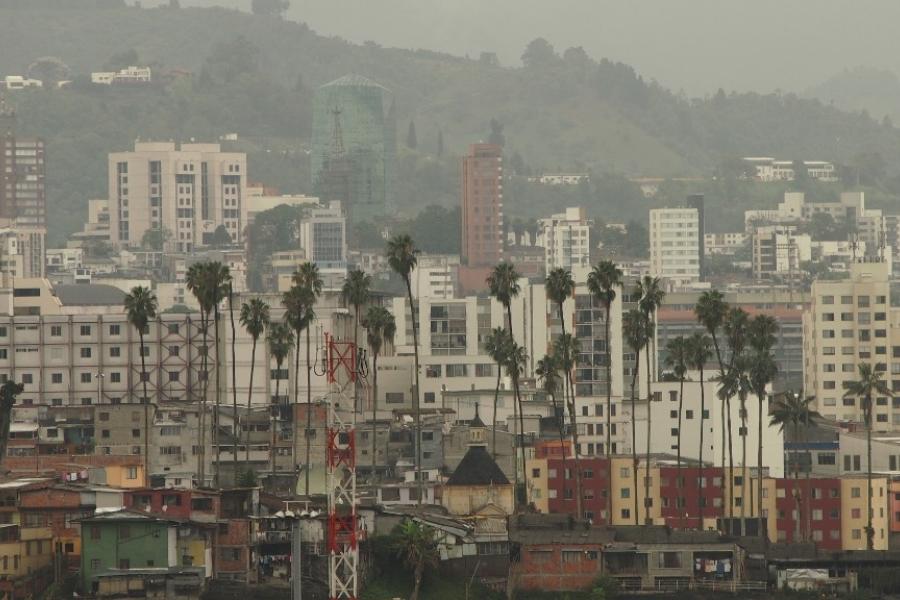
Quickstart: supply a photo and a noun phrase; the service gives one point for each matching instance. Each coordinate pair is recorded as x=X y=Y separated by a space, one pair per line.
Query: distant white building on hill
x=766 y=168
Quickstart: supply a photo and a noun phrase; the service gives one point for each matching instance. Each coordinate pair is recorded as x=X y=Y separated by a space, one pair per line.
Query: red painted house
x=561 y=484
x=679 y=504
x=821 y=522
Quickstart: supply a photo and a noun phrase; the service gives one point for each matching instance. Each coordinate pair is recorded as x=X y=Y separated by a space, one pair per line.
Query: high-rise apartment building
x=187 y=192
x=482 y=205
x=675 y=244
x=566 y=239
x=849 y=323
x=778 y=252
x=354 y=145
x=23 y=201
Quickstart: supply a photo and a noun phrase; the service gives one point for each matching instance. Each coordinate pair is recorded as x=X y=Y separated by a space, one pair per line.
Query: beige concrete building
x=848 y=323
x=854 y=506
x=675 y=244
x=188 y=191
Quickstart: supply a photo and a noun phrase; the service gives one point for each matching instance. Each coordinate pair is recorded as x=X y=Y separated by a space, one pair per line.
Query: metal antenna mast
x=343 y=522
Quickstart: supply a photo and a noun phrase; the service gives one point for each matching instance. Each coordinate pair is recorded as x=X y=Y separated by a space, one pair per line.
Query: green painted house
x=125 y=540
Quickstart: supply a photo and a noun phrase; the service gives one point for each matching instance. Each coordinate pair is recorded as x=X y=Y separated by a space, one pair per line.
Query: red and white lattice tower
x=343 y=532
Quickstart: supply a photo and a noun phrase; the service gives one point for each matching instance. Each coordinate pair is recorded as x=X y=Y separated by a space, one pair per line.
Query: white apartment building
x=323 y=236
x=260 y=200
x=131 y=74
x=848 y=323
x=779 y=251
x=566 y=239
x=188 y=191
x=436 y=276
x=770 y=169
x=560 y=178
x=663 y=411
x=675 y=244
x=724 y=243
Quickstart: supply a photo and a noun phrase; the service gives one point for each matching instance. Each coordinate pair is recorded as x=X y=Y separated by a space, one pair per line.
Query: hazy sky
x=697 y=45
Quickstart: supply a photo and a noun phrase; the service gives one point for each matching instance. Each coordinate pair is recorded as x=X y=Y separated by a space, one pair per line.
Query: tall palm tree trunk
x=727 y=409
x=215 y=438
x=759 y=464
x=146 y=402
x=295 y=445
x=807 y=491
x=273 y=408
x=678 y=478
x=700 y=474
x=727 y=431
x=870 y=531
x=647 y=498
x=307 y=432
x=797 y=496
x=745 y=484
x=520 y=438
x=250 y=399
x=374 y=409
x=494 y=418
x=237 y=435
x=634 y=458
x=521 y=433
x=416 y=406
x=204 y=385
x=609 y=485
x=566 y=391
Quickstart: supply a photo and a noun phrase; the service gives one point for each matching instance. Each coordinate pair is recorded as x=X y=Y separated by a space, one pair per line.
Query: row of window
x=861 y=301
x=84 y=330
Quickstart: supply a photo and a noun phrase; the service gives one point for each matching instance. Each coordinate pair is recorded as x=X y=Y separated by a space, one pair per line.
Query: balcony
x=273 y=537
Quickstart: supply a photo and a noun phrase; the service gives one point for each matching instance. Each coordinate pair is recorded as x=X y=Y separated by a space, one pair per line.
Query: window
x=173 y=328
x=854 y=492
x=625 y=493
x=484 y=370
x=86 y=378
x=115 y=352
x=428 y=398
x=688 y=414
x=174 y=350
x=124 y=563
x=27 y=378
x=85 y=352
x=626 y=513
x=394 y=397
x=56 y=378
x=432 y=371
x=114 y=330
x=174 y=375
x=115 y=377
x=85 y=330
x=669 y=560
x=856 y=534
x=457 y=370
x=56 y=331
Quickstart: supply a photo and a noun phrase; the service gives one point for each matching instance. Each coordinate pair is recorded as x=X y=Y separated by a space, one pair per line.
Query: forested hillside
x=254 y=76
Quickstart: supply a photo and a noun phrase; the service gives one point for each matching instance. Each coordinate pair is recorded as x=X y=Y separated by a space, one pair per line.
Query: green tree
x=547 y=372
x=280 y=338
x=140 y=308
x=565 y=353
x=155 y=239
x=539 y=53
x=8 y=393
x=602 y=283
x=560 y=286
x=299 y=314
x=516 y=360
x=254 y=318
x=710 y=311
x=308 y=280
x=215 y=283
x=497 y=346
x=698 y=354
x=761 y=339
x=415 y=545
x=380 y=328
x=221 y=238
x=355 y=293
x=736 y=382
x=402 y=255
x=870 y=382
x=634 y=332
x=651 y=295
x=793 y=410
x=411 y=141
x=677 y=360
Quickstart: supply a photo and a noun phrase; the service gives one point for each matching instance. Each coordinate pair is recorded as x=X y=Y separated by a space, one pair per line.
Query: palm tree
x=760 y=336
x=195 y=280
x=8 y=392
x=234 y=412
x=402 y=255
x=710 y=311
x=515 y=368
x=737 y=383
x=547 y=372
x=140 y=307
x=415 y=545
x=254 y=318
x=380 y=328
x=676 y=359
x=651 y=296
x=565 y=351
x=497 y=346
x=298 y=303
x=356 y=293
x=560 y=286
x=308 y=279
x=634 y=331
x=870 y=382
x=793 y=410
x=735 y=326
x=602 y=283
x=699 y=353
x=219 y=285
x=280 y=338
